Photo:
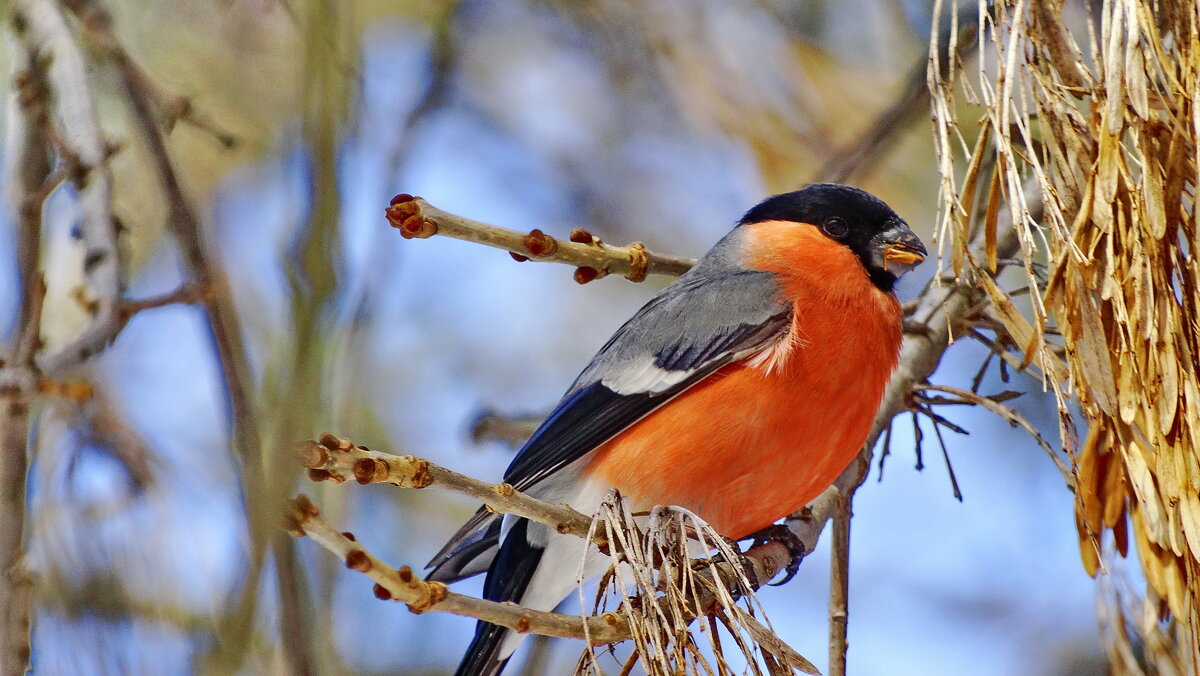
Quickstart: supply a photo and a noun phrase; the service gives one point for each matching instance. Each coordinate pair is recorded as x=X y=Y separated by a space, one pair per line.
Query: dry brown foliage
x=661 y=589
x=1097 y=108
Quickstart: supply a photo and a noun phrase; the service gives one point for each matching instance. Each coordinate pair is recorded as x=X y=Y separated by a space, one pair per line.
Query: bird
x=739 y=392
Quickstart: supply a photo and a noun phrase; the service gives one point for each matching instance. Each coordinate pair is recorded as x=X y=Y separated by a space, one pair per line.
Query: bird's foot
x=746 y=564
x=784 y=535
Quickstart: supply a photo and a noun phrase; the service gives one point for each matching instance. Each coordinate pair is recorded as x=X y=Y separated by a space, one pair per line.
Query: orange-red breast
x=740 y=392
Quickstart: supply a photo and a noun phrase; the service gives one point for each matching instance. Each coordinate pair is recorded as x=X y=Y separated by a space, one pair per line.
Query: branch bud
x=538 y=243
x=357 y=559
x=311 y=454
x=581 y=236
x=585 y=274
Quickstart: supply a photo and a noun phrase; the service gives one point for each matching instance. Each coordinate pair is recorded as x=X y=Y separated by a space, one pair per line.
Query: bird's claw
x=743 y=561
x=784 y=535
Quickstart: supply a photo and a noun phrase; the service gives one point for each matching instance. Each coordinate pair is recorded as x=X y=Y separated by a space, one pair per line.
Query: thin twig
x=839 y=587
x=1015 y=419
x=185 y=294
x=173 y=108
x=334 y=459
x=303 y=518
x=512 y=430
x=416 y=218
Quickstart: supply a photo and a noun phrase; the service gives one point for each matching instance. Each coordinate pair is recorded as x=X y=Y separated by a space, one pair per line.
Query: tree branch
x=1015 y=419
x=46 y=33
x=335 y=459
x=224 y=329
x=303 y=518
x=416 y=218
x=27 y=161
x=839 y=587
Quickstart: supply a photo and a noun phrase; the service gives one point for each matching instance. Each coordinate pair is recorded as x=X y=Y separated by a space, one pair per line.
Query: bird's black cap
x=867 y=223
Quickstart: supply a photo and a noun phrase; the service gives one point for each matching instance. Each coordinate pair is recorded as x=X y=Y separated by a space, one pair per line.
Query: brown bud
x=610 y=619
x=415 y=227
x=581 y=236
x=585 y=274
x=329 y=441
x=318 y=474
x=505 y=490
x=522 y=625
x=538 y=243
x=401 y=198
x=420 y=475
x=381 y=592
x=349 y=536
x=563 y=529
x=518 y=257
x=358 y=560
x=311 y=454
x=405 y=574
x=639 y=262
x=305 y=506
x=367 y=469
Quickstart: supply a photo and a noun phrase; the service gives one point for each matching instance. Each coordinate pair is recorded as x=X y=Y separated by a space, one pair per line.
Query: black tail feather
x=470 y=552
x=507 y=580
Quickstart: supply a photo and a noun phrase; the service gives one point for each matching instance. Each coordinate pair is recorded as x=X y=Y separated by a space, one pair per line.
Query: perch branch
x=334 y=459
x=303 y=519
x=416 y=218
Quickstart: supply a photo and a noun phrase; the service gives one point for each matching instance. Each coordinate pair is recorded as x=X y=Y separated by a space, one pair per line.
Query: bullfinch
x=740 y=392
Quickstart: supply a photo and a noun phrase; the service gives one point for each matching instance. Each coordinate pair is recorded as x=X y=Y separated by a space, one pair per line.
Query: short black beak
x=900 y=249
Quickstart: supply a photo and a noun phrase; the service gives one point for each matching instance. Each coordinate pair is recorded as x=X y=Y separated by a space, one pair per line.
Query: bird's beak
x=901 y=249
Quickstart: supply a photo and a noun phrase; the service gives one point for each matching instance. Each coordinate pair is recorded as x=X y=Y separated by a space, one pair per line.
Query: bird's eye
x=835 y=227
